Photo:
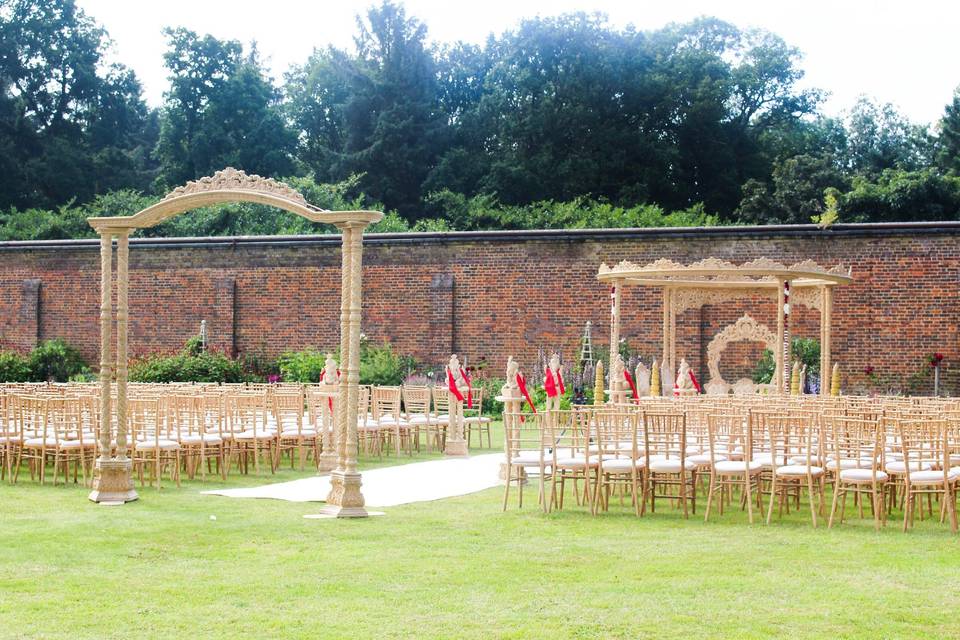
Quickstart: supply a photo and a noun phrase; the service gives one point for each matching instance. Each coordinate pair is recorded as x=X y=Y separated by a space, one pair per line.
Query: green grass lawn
x=457 y=568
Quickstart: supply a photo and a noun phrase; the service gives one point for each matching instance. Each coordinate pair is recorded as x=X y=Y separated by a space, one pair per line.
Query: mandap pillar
x=112 y=477
x=826 y=320
x=616 y=296
x=778 y=352
x=345 y=499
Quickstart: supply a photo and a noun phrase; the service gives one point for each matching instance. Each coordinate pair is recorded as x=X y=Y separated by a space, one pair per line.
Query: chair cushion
x=531 y=458
x=799 y=470
x=671 y=465
x=845 y=463
x=293 y=433
x=151 y=445
x=621 y=465
x=861 y=475
x=576 y=463
x=899 y=466
x=39 y=442
x=737 y=466
x=208 y=438
x=255 y=435
x=931 y=477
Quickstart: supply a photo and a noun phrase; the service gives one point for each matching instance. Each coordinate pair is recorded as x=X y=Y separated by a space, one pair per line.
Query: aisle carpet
x=390 y=486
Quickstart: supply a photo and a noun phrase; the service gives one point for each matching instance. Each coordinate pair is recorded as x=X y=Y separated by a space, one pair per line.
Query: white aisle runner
x=389 y=486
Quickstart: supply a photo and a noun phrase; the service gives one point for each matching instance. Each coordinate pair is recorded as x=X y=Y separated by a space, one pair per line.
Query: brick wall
x=489 y=295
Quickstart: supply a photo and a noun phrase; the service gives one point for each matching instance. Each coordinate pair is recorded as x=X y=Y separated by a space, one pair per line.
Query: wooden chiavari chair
x=152 y=439
x=292 y=434
x=856 y=462
x=416 y=406
x=527 y=445
x=793 y=450
x=393 y=429
x=927 y=441
x=666 y=463
x=622 y=462
x=441 y=412
x=572 y=457
x=732 y=464
x=252 y=435
x=474 y=420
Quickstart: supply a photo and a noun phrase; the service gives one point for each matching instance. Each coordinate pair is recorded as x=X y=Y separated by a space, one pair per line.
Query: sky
x=906 y=53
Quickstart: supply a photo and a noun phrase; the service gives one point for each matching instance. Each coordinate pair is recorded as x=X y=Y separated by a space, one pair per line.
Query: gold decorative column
x=345 y=499
x=778 y=355
x=615 y=320
x=112 y=481
x=826 y=318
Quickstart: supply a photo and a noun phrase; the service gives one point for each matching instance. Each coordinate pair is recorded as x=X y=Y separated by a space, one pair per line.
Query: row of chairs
x=885 y=456
x=204 y=428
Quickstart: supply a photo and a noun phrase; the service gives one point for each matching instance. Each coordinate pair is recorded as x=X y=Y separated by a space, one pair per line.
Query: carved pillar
x=106 y=362
x=123 y=314
x=778 y=352
x=673 y=333
x=112 y=481
x=665 y=357
x=615 y=320
x=826 y=320
x=345 y=499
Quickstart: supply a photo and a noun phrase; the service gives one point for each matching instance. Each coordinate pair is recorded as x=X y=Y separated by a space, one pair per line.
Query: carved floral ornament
x=231 y=179
x=745 y=328
x=761 y=271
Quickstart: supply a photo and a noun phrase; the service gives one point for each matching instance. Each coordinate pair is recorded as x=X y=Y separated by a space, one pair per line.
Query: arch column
x=112 y=475
x=345 y=499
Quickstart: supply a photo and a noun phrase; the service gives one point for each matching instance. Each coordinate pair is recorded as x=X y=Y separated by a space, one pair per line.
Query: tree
x=948 y=156
x=221 y=110
x=898 y=195
x=879 y=137
x=796 y=192
x=70 y=125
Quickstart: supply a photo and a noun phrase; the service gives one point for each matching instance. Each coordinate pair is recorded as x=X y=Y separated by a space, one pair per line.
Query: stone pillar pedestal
x=456 y=444
x=328 y=425
x=113 y=482
x=345 y=499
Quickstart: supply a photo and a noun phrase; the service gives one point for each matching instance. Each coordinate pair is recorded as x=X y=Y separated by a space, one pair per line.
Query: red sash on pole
x=550 y=383
x=696 y=385
x=469 y=389
x=633 y=387
x=560 y=380
x=522 y=383
x=329 y=400
x=452 y=386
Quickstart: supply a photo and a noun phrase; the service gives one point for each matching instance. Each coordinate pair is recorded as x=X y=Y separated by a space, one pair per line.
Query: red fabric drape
x=522 y=383
x=633 y=387
x=469 y=389
x=693 y=378
x=452 y=386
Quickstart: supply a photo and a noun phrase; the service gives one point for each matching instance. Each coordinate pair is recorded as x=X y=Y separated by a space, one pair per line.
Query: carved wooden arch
x=232 y=185
x=745 y=328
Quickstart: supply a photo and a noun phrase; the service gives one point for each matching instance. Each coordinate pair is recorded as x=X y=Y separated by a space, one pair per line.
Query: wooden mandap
x=714 y=281
x=112 y=473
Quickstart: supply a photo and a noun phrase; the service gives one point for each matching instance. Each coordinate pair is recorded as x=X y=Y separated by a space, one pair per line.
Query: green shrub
x=379 y=365
x=806 y=350
x=14 y=367
x=301 y=366
x=55 y=361
x=207 y=366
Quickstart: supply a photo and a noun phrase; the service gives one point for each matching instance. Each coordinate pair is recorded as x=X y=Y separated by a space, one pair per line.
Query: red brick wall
x=489 y=296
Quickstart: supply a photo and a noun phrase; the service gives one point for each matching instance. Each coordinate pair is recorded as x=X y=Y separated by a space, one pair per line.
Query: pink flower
x=868 y=370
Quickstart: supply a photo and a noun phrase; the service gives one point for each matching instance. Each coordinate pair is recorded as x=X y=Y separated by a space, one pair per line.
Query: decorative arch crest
x=745 y=328
x=232 y=185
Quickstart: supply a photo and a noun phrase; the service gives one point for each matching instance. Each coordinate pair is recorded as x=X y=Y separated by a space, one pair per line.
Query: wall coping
x=875 y=229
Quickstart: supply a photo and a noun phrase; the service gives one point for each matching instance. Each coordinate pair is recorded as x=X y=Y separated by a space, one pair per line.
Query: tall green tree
x=70 y=125
x=948 y=154
x=879 y=137
x=221 y=110
x=376 y=114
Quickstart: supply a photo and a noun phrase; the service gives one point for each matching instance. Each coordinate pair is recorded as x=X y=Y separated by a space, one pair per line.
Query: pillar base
x=345 y=499
x=456 y=448
x=520 y=471
x=113 y=482
x=327 y=462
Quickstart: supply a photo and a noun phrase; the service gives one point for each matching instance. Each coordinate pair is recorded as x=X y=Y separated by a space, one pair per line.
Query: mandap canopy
x=713 y=280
